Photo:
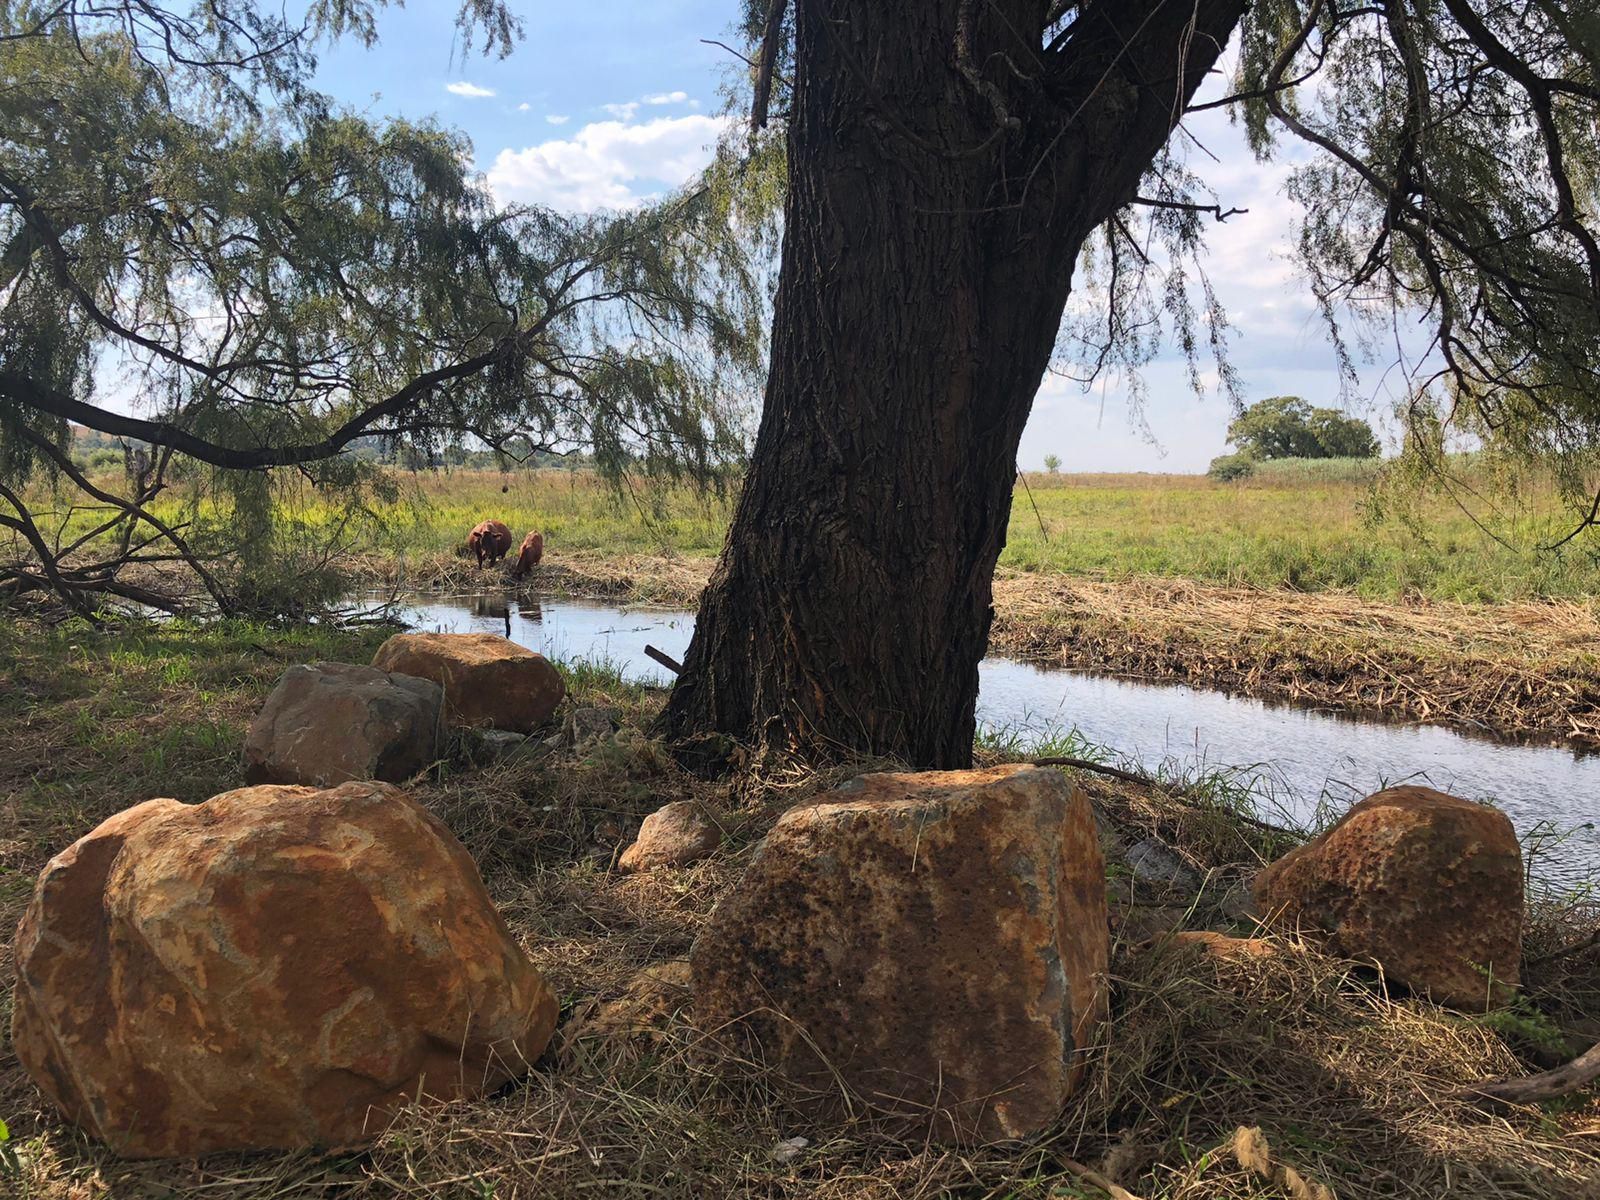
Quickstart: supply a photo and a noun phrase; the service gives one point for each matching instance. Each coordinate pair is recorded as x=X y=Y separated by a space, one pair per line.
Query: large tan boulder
x=937 y=942
x=1426 y=884
x=329 y=723
x=276 y=968
x=489 y=681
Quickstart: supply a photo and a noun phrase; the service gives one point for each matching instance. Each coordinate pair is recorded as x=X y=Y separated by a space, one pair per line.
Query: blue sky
x=607 y=103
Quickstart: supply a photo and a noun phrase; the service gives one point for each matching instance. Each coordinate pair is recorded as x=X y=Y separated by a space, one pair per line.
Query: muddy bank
x=1525 y=671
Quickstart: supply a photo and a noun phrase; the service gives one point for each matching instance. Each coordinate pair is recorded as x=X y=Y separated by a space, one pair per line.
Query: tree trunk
x=943 y=176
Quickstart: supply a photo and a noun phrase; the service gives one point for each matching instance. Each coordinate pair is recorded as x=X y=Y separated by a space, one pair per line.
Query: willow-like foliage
x=1453 y=185
x=200 y=254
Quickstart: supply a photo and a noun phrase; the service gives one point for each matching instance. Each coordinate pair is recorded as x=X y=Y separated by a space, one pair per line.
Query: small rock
x=586 y=725
x=935 y=942
x=328 y=723
x=278 y=968
x=1223 y=947
x=1159 y=865
x=1427 y=884
x=672 y=836
x=789 y=1149
x=489 y=681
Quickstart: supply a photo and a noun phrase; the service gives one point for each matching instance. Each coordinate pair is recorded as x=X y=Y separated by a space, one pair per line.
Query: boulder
x=672 y=836
x=276 y=968
x=1426 y=884
x=329 y=723
x=936 y=942
x=489 y=681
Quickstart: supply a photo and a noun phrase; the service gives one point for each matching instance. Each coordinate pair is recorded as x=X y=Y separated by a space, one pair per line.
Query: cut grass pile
x=1345 y=1082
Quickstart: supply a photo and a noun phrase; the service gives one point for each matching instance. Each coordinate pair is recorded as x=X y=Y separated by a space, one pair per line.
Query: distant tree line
x=1289 y=427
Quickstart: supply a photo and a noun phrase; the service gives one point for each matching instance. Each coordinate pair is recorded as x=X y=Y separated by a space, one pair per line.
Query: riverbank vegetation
x=1305 y=525
x=1313 y=581
x=1295 y=1044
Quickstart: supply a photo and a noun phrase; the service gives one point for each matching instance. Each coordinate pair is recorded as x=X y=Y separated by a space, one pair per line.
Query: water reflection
x=1295 y=757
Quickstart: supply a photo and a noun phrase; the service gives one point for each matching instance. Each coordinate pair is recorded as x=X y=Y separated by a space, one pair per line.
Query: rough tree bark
x=944 y=171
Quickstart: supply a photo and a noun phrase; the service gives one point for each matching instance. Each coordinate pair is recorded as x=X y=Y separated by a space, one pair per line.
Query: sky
x=608 y=103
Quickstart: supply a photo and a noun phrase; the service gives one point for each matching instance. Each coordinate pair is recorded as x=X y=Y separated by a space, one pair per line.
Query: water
x=1296 y=759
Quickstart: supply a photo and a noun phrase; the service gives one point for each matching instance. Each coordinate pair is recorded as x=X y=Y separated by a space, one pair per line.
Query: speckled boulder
x=1426 y=884
x=329 y=723
x=488 y=681
x=277 y=968
x=937 y=942
x=673 y=836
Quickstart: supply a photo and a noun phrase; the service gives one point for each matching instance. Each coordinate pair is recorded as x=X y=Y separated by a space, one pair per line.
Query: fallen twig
x=1546 y=1085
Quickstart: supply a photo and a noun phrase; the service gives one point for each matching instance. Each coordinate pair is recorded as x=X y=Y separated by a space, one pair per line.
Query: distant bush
x=1228 y=467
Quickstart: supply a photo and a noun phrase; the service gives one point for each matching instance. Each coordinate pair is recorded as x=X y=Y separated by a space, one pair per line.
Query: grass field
x=1336 y=525
x=1302 y=526
x=1345 y=1080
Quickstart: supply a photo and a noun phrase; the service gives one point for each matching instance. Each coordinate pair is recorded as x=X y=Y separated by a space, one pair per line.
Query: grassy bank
x=1285 y=586
x=1302 y=526
x=1344 y=1080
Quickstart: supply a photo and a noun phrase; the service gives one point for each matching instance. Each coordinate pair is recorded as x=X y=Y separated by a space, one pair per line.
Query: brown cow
x=532 y=552
x=489 y=540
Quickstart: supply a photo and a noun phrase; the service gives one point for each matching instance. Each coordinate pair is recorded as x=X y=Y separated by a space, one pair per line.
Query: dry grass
x=666 y=579
x=1529 y=669
x=1343 y=1080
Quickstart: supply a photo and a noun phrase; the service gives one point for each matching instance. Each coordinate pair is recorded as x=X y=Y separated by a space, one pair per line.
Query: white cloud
x=524 y=107
x=622 y=112
x=667 y=98
x=607 y=164
x=470 y=90
x=558 y=118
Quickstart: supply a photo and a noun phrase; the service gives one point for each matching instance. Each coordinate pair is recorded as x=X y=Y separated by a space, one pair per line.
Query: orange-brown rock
x=329 y=723
x=276 y=968
x=489 y=681
x=1222 y=947
x=936 y=941
x=1426 y=884
x=672 y=836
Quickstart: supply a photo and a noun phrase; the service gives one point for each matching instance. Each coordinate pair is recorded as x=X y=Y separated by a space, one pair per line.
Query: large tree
x=951 y=162
x=203 y=256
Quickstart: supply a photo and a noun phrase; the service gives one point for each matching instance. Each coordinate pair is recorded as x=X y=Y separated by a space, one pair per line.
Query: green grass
x=1305 y=525
x=1310 y=526
x=1302 y=525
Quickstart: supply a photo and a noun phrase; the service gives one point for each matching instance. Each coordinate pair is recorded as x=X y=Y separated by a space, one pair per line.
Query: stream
x=1294 y=760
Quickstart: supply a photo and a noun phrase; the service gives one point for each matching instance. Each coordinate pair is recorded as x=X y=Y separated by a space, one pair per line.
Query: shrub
x=1228 y=467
